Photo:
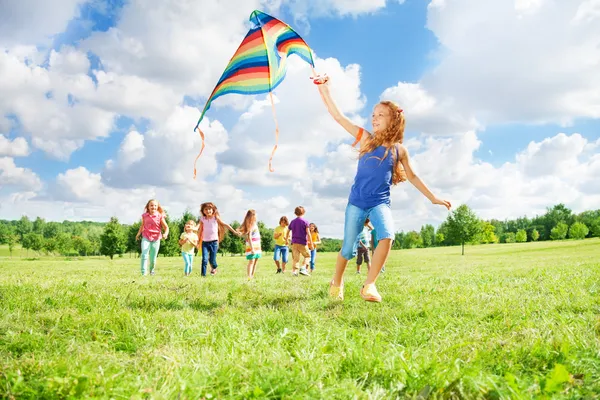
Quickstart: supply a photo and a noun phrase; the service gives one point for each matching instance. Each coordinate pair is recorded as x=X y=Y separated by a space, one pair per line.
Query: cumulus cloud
x=35 y=21
x=11 y=175
x=17 y=147
x=526 y=61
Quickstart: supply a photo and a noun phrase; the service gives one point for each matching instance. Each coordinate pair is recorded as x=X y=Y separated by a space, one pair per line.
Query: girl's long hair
x=159 y=208
x=221 y=228
x=249 y=221
x=393 y=134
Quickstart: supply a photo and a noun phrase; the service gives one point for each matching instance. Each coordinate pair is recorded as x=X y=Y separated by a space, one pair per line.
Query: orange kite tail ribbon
x=201 y=150
x=276 y=132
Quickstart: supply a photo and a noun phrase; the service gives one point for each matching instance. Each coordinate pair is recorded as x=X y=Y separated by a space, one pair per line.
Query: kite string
x=276 y=131
x=201 y=150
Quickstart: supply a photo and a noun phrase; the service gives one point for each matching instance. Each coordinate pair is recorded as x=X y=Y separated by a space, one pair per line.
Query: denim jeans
x=209 y=254
x=381 y=218
x=281 y=252
x=313 y=257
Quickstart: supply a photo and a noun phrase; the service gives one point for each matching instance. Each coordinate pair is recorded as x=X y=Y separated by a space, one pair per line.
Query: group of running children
x=383 y=161
x=210 y=229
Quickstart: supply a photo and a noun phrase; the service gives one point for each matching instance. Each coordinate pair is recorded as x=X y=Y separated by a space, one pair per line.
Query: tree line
x=463 y=226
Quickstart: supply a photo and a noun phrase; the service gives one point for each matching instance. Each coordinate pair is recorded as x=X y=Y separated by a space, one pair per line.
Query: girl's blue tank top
x=373 y=179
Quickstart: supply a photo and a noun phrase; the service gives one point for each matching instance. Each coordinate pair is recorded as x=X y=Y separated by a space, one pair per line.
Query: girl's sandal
x=336 y=292
x=369 y=293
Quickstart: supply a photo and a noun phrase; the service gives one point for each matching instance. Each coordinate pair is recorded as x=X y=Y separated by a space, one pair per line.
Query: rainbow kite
x=259 y=65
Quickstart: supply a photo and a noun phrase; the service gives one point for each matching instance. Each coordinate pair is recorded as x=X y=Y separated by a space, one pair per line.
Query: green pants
x=149 y=248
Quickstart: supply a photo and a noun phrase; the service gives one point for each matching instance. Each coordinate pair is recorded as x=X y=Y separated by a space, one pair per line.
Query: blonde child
x=153 y=222
x=249 y=229
x=211 y=231
x=281 y=245
x=300 y=238
x=188 y=242
x=383 y=162
x=316 y=239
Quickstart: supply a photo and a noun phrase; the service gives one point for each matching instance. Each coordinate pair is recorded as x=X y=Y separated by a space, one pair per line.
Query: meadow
x=509 y=321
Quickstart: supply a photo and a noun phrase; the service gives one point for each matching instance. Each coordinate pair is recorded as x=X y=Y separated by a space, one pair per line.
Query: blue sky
x=128 y=81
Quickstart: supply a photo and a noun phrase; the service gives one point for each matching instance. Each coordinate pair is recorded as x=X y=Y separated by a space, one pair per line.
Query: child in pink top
x=210 y=233
x=153 y=221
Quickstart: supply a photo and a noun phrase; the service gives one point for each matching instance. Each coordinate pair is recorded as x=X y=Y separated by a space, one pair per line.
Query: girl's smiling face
x=312 y=227
x=381 y=118
x=152 y=207
x=208 y=211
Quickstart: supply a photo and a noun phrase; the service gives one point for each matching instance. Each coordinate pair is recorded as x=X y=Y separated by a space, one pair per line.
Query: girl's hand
x=320 y=79
x=441 y=202
x=165 y=236
x=137 y=237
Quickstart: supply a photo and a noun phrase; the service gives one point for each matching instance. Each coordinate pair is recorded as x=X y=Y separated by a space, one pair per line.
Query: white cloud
x=531 y=61
x=426 y=114
x=34 y=21
x=11 y=175
x=17 y=147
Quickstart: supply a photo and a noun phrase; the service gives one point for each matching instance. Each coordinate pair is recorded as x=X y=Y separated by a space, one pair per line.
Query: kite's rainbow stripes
x=258 y=65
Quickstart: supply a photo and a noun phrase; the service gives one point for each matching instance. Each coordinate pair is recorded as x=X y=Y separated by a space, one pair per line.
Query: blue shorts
x=381 y=218
x=281 y=252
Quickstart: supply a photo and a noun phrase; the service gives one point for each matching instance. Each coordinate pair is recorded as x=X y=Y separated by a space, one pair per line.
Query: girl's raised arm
x=333 y=109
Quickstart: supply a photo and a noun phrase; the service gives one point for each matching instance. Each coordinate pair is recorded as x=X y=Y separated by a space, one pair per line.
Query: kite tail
x=276 y=131
x=201 y=150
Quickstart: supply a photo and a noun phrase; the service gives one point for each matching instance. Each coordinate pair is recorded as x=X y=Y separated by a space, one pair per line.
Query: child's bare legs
x=379 y=258
x=251 y=268
x=340 y=266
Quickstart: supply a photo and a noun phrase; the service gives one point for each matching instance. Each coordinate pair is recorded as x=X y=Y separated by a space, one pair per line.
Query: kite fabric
x=259 y=65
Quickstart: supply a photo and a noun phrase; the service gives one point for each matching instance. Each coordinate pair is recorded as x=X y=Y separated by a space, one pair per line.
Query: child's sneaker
x=152 y=272
x=304 y=272
x=336 y=292
x=278 y=271
x=295 y=273
x=213 y=271
x=369 y=293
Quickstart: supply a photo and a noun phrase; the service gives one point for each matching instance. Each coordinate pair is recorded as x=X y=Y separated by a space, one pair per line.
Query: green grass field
x=502 y=322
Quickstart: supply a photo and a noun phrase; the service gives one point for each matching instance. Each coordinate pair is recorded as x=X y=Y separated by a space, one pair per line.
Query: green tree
x=52 y=229
x=463 y=226
x=134 y=245
x=578 y=231
x=38 y=225
x=535 y=235
x=559 y=232
x=33 y=241
x=428 y=235
x=439 y=239
x=555 y=215
x=412 y=239
x=398 y=240
x=510 y=237
x=113 y=240
x=267 y=242
x=64 y=244
x=12 y=241
x=488 y=234
x=521 y=236
x=169 y=247
x=23 y=227
x=82 y=245
x=595 y=227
